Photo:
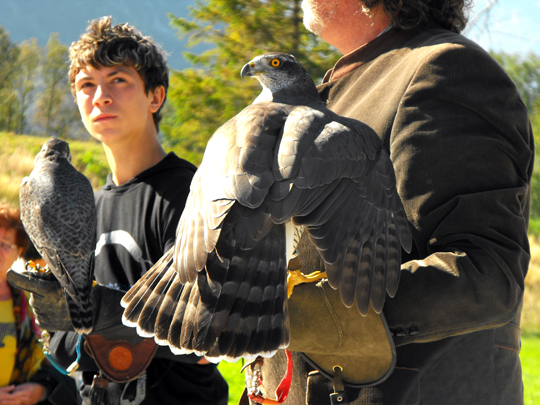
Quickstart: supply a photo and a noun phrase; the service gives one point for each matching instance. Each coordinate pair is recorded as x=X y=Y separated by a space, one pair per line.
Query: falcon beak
x=253 y=68
x=246 y=70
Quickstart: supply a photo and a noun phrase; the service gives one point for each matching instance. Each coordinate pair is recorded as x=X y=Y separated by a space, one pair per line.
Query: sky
x=512 y=25
x=25 y=19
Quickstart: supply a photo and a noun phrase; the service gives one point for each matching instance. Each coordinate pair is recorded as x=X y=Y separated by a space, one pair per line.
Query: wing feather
x=270 y=164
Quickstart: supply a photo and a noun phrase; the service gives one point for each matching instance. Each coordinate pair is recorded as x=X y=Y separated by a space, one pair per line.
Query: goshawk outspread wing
x=283 y=165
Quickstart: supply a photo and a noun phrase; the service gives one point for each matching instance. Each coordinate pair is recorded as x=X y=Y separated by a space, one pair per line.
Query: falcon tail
x=81 y=316
x=75 y=274
x=236 y=307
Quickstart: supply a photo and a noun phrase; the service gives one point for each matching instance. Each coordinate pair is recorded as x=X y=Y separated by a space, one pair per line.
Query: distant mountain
x=25 y=19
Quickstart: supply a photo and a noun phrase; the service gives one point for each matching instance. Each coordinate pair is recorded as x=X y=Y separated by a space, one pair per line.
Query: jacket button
x=399 y=333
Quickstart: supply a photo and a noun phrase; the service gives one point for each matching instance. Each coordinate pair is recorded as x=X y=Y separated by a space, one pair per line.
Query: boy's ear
x=158 y=95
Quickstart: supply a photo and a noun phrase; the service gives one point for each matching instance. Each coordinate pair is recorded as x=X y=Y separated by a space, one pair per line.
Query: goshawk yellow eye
x=275 y=63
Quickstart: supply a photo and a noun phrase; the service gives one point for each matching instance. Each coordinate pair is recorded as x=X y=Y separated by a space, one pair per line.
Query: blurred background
x=208 y=42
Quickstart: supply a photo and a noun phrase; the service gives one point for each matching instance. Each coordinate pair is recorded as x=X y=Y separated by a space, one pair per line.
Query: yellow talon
x=31 y=264
x=296 y=277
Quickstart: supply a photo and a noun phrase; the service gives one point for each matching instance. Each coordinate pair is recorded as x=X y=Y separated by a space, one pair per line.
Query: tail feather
x=279 y=328
x=365 y=273
x=135 y=299
x=147 y=278
x=404 y=231
x=75 y=274
x=349 y=275
x=271 y=318
x=146 y=323
x=264 y=322
x=257 y=319
x=380 y=264
x=394 y=261
x=215 y=314
x=236 y=306
x=188 y=324
x=175 y=330
x=81 y=317
x=237 y=336
x=166 y=311
x=181 y=320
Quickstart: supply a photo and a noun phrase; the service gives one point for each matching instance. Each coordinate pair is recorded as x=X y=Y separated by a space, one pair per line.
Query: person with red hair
x=25 y=375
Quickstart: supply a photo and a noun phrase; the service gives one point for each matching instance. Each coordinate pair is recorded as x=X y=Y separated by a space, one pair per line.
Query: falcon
x=59 y=214
x=284 y=165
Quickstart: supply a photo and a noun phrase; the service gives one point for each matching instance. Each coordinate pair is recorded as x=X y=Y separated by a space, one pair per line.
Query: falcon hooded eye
x=275 y=63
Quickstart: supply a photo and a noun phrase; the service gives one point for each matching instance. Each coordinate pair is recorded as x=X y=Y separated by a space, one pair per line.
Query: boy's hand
x=51 y=310
x=47 y=300
x=52 y=314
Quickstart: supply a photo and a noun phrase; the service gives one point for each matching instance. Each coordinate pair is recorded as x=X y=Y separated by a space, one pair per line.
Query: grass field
x=17 y=160
x=530 y=362
x=231 y=372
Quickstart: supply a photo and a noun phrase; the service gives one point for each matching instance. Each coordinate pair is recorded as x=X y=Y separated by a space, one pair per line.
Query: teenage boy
x=119 y=79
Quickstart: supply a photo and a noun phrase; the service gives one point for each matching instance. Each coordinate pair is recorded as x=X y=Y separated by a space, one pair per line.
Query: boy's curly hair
x=407 y=14
x=105 y=45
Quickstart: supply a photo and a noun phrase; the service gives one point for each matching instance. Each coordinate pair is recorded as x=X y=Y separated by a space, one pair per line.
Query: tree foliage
x=35 y=97
x=535 y=197
x=525 y=72
x=208 y=94
x=9 y=55
x=29 y=61
x=56 y=112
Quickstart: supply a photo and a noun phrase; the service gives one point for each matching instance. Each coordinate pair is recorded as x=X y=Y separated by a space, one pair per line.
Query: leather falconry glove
x=52 y=314
x=51 y=309
x=361 y=346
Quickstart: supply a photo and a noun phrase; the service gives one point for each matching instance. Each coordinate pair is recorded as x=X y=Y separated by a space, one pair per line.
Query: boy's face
x=114 y=105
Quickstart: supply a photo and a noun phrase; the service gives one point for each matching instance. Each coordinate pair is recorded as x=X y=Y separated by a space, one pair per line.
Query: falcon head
x=282 y=77
x=53 y=150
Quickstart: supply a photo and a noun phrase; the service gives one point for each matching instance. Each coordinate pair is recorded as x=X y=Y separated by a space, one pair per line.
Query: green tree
x=9 y=109
x=56 y=113
x=29 y=59
x=535 y=195
x=525 y=72
x=208 y=94
x=9 y=54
